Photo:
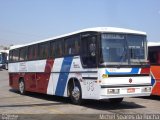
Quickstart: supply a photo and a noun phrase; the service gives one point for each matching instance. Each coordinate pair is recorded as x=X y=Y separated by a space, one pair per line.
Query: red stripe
x=43 y=78
x=145 y=70
x=49 y=65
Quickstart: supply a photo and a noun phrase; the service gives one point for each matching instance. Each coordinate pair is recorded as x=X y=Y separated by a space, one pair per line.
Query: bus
x=4 y=59
x=154 y=59
x=94 y=63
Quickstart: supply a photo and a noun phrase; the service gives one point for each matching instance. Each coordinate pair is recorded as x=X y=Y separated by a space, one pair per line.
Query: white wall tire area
x=115 y=100
x=75 y=92
x=22 y=87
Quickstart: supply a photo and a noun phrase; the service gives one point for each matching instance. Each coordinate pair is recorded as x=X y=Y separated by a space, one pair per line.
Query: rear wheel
x=75 y=92
x=21 y=87
x=115 y=100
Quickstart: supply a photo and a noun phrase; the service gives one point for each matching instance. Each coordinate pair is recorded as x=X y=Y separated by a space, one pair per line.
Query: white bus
x=94 y=63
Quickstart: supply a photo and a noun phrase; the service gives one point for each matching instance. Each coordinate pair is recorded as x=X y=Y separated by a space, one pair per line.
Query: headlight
x=146 y=89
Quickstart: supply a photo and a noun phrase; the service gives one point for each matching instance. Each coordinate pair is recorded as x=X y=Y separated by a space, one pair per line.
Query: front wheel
x=75 y=93
x=21 y=87
x=115 y=100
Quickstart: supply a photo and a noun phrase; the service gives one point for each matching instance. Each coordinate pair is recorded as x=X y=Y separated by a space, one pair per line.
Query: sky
x=25 y=21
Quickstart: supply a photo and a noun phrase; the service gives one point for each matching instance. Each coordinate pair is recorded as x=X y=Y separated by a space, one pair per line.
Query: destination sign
x=113 y=36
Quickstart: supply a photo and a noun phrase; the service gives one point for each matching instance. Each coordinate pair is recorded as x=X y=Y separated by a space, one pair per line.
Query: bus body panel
x=49 y=77
x=155 y=79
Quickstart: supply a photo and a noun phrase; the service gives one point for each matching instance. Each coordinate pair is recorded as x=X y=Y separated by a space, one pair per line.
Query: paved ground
x=39 y=106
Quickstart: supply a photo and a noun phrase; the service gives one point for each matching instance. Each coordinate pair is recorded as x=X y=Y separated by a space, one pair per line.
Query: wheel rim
x=21 y=87
x=76 y=93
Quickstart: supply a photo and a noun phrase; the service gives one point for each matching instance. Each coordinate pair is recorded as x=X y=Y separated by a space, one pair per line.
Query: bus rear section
x=154 y=59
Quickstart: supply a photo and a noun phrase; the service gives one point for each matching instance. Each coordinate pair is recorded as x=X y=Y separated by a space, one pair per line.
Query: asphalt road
x=40 y=106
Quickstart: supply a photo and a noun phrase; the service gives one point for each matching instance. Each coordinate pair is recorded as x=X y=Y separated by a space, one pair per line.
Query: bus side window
x=43 y=50
x=15 y=55
x=59 y=48
x=52 y=50
x=88 y=52
x=10 y=56
x=153 y=57
x=158 y=57
x=32 y=52
x=72 y=45
x=23 y=54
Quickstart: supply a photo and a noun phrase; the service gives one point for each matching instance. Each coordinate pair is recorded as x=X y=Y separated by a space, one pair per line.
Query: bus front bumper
x=120 y=92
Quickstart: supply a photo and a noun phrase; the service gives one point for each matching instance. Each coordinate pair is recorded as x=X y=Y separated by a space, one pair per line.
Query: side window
x=32 y=52
x=154 y=57
x=23 y=54
x=15 y=55
x=89 y=51
x=43 y=50
x=59 y=48
x=52 y=50
x=72 y=45
x=10 y=56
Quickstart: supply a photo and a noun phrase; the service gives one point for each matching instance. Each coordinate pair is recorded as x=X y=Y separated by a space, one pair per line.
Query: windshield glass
x=136 y=45
x=113 y=49
x=121 y=49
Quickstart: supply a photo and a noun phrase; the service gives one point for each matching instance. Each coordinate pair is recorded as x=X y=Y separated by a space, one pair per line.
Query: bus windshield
x=119 y=49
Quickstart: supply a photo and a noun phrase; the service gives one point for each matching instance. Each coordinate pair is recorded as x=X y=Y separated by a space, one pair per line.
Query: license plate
x=130 y=90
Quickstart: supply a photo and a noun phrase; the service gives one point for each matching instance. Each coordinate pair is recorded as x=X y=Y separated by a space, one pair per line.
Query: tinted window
x=23 y=54
x=154 y=55
x=59 y=48
x=43 y=50
x=10 y=56
x=72 y=45
x=52 y=50
x=15 y=55
x=32 y=52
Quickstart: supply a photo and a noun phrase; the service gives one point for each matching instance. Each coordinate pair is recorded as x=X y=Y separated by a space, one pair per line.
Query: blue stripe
x=152 y=80
x=133 y=71
x=62 y=80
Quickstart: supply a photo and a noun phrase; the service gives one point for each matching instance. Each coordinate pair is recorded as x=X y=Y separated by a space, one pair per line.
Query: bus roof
x=152 y=44
x=4 y=51
x=95 y=29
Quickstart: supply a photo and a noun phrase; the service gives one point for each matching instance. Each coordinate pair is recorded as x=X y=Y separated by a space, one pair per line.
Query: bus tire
x=75 y=92
x=115 y=100
x=22 y=87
